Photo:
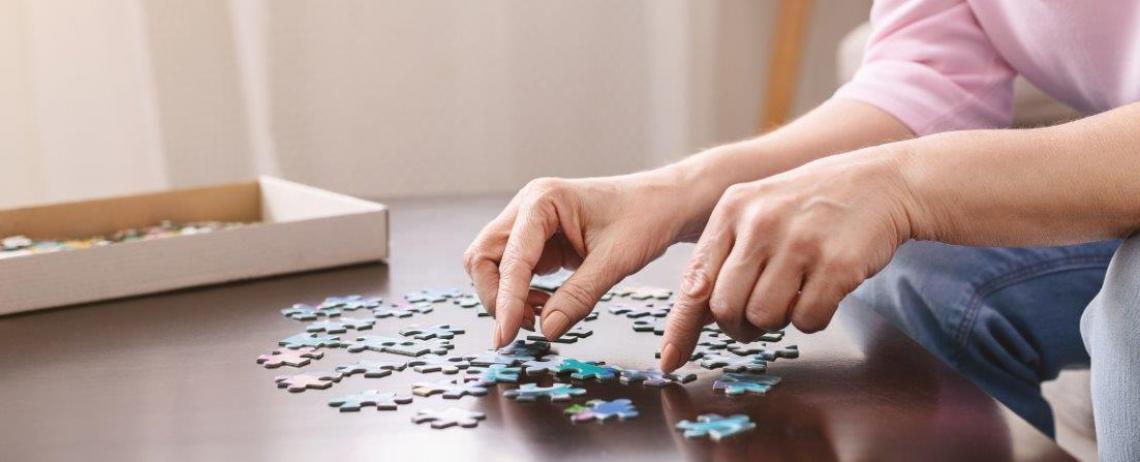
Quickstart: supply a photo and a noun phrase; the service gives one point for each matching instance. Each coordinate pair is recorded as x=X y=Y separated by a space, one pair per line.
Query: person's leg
x=1007 y=318
x=1111 y=331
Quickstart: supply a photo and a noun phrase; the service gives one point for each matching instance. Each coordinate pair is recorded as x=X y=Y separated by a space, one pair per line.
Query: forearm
x=834 y=127
x=1070 y=183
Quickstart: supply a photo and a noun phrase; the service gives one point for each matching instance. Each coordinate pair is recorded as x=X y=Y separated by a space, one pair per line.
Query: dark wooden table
x=172 y=377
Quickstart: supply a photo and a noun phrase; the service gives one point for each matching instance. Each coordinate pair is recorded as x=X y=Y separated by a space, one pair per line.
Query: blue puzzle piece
x=716 y=426
x=585 y=370
x=601 y=410
x=535 y=348
x=556 y=392
x=737 y=384
x=383 y=401
x=495 y=373
x=788 y=352
x=302 y=340
x=489 y=357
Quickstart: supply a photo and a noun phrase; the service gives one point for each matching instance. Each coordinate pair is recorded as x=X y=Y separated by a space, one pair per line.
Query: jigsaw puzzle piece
x=371 y=369
x=449 y=417
x=489 y=357
x=548 y=365
x=635 y=312
x=299 y=357
x=439 y=363
x=585 y=370
x=532 y=348
x=435 y=295
x=654 y=377
x=443 y=331
x=655 y=325
x=449 y=389
x=493 y=374
x=550 y=282
x=415 y=348
x=734 y=384
x=349 y=303
x=602 y=410
x=303 y=340
x=467 y=301
x=301 y=312
x=788 y=352
x=754 y=363
x=340 y=325
x=376 y=343
x=716 y=426
x=397 y=310
x=309 y=380
x=556 y=392
x=383 y=401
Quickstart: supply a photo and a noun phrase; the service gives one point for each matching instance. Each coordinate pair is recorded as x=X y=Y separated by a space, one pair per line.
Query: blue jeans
x=1007 y=318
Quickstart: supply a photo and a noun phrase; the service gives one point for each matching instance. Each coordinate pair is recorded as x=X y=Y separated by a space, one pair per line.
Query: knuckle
x=765 y=318
x=579 y=299
x=470 y=257
x=810 y=319
x=545 y=186
x=696 y=281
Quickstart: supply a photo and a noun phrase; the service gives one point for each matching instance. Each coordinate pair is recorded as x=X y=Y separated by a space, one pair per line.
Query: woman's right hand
x=605 y=228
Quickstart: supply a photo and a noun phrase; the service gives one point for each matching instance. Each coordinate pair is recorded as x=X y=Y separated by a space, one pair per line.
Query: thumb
x=578 y=295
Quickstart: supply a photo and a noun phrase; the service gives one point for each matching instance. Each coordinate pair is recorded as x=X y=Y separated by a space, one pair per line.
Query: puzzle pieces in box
x=340 y=325
x=383 y=401
x=555 y=392
x=493 y=374
x=754 y=363
x=602 y=410
x=302 y=312
x=449 y=389
x=443 y=331
x=734 y=384
x=788 y=352
x=318 y=380
x=434 y=295
x=489 y=357
x=716 y=426
x=349 y=303
x=634 y=312
x=586 y=370
x=299 y=357
x=371 y=368
x=539 y=366
x=654 y=377
x=449 y=417
x=303 y=340
x=439 y=363
x=655 y=325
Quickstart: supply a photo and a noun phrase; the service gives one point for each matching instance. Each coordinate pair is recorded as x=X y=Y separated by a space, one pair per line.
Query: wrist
x=906 y=168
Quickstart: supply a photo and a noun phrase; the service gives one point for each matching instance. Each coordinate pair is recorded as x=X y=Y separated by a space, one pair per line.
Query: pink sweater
x=940 y=65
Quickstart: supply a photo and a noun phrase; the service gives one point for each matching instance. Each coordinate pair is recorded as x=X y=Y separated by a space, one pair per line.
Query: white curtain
x=377 y=98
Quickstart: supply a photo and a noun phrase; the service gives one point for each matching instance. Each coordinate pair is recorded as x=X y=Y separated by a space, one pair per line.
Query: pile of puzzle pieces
x=348 y=321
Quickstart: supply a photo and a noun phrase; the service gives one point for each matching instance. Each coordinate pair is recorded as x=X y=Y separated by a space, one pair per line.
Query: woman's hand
x=606 y=228
x=789 y=247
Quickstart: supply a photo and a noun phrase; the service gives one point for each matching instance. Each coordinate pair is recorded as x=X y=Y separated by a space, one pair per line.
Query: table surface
x=172 y=377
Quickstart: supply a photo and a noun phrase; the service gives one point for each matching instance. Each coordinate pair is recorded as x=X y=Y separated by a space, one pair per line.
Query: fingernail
x=528 y=324
x=669 y=358
x=496 y=336
x=554 y=324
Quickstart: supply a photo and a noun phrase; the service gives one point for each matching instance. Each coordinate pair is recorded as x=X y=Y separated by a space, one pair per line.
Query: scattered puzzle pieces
x=449 y=417
x=556 y=392
x=317 y=380
x=585 y=370
x=376 y=343
x=493 y=374
x=654 y=377
x=371 y=369
x=716 y=426
x=299 y=357
x=420 y=347
x=450 y=389
x=340 y=325
x=303 y=340
x=349 y=303
x=383 y=401
x=400 y=310
x=439 y=363
x=737 y=384
x=754 y=363
x=443 y=331
x=432 y=295
x=301 y=312
x=601 y=410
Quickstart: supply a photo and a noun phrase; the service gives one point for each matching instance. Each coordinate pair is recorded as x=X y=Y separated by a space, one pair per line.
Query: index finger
x=691 y=311
x=533 y=226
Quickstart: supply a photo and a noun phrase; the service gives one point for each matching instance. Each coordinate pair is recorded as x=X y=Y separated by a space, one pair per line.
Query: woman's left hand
x=788 y=248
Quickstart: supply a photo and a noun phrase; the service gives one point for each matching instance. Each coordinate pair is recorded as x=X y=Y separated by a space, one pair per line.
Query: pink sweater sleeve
x=930 y=64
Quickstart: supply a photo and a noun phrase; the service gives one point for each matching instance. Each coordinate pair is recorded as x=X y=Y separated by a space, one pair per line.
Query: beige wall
x=378 y=98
